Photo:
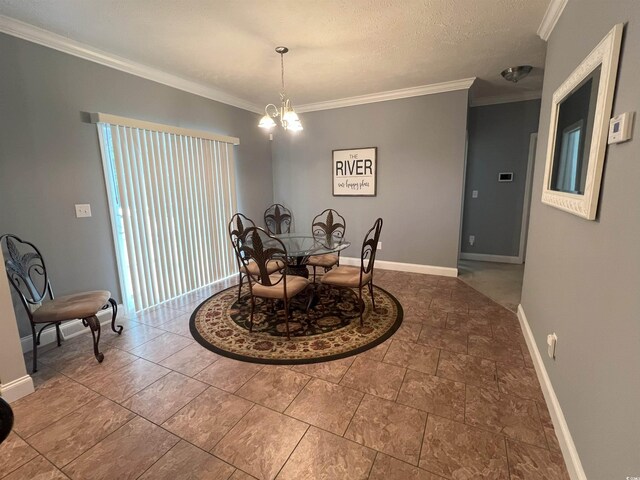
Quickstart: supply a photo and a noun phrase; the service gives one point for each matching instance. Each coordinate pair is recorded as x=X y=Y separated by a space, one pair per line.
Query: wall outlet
x=552 y=340
x=474 y=194
x=379 y=246
x=472 y=239
x=83 y=210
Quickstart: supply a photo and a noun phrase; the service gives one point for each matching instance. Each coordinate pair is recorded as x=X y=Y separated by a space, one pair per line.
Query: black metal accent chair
x=28 y=276
x=237 y=226
x=277 y=219
x=328 y=228
x=358 y=277
x=256 y=245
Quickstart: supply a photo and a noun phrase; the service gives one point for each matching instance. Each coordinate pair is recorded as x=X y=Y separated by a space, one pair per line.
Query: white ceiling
x=338 y=48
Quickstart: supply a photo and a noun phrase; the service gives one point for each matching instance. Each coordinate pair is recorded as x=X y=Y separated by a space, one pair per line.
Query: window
x=171 y=195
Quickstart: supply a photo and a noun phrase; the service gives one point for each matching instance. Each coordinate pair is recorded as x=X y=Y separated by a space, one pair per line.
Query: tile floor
x=451 y=395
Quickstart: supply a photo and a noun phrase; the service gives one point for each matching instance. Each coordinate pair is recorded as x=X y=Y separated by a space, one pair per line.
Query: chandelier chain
x=282 y=70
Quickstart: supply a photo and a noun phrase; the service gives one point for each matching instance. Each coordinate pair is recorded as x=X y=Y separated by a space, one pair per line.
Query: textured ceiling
x=338 y=48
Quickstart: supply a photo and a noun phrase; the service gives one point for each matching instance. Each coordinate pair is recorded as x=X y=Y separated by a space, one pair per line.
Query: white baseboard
x=485 y=257
x=68 y=329
x=569 y=452
x=16 y=389
x=405 y=267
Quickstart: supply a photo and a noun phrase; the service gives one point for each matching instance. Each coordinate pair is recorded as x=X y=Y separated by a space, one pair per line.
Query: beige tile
x=137 y=445
x=240 y=475
x=85 y=369
x=332 y=371
x=161 y=347
x=274 y=387
x=545 y=417
x=449 y=305
x=433 y=394
x=190 y=360
x=178 y=325
x=455 y=450
x=495 y=349
x=376 y=353
x=514 y=417
x=443 y=338
x=71 y=436
x=469 y=324
x=408 y=332
x=389 y=428
x=51 y=402
x=228 y=374
x=261 y=442
x=376 y=378
x=157 y=315
x=519 y=381
x=467 y=369
x=527 y=462
x=129 y=380
x=186 y=462
x=134 y=337
x=433 y=318
x=325 y=405
x=321 y=455
x=552 y=440
x=413 y=356
x=43 y=376
x=207 y=418
x=389 y=468
x=14 y=452
x=37 y=469
x=165 y=397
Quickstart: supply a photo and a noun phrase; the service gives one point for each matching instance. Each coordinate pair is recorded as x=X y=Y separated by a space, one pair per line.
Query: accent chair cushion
x=272 y=266
x=295 y=284
x=327 y=260
x=345 y=277
x=70 y=307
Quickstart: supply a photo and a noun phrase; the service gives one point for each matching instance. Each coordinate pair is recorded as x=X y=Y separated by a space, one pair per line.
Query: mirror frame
x=606 y=55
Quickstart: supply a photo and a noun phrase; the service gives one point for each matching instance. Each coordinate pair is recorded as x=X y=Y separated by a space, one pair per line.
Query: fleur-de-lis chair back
x=277 y=219
x=28 y=276
x=328 y=228
x=354 y=277
x=237 y=225
x=259 y=248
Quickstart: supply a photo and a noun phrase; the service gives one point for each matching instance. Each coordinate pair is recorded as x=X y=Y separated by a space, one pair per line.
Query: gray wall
x=499 y=138
x=420 y=174
x=50 y=158
x=582 y=278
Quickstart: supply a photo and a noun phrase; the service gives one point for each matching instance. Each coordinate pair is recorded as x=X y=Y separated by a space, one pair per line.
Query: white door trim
x=526 y=205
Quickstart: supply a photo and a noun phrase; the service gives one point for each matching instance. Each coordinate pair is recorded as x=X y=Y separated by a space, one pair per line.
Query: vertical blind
x=171 y=196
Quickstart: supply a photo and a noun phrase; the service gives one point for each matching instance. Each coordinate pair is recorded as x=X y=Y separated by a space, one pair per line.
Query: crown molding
x=34 y=34
x=509 y=98
x=551 y=16
x=451 y=86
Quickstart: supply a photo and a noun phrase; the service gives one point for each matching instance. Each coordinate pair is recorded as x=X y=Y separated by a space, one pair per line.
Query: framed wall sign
x=354 y=172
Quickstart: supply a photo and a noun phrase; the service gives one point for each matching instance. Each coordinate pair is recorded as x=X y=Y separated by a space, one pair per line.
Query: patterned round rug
x=330 y=331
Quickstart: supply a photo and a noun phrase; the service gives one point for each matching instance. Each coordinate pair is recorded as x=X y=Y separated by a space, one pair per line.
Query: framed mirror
x=578 y=130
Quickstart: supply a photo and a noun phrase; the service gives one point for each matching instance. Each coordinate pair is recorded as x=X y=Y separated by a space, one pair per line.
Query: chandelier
x=288 y=117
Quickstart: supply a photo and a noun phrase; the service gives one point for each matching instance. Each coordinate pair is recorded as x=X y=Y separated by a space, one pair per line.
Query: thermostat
x=505 y=177
x=620 y=128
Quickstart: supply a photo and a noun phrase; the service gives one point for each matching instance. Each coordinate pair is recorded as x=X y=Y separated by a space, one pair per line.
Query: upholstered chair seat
x=327 y=260
x=69 y=307
x=294 y=286
x=346 y=277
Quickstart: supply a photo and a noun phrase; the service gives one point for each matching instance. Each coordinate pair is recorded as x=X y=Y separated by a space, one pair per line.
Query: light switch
x=474 y=194
x=83 y=210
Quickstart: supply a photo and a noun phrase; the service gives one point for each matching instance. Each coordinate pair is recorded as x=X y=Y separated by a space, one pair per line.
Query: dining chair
x=358 y=277
x=328 y=228
x=29 y=277
x=277 y=219
x=237 y=226
x=256 y=245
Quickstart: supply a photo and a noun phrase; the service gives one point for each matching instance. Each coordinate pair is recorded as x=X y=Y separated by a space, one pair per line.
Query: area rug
x=331 y=329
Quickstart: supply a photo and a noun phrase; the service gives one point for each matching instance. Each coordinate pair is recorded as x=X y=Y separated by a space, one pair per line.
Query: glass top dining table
x=301 y=246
